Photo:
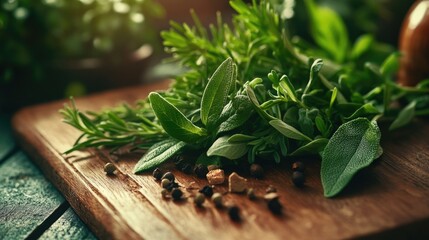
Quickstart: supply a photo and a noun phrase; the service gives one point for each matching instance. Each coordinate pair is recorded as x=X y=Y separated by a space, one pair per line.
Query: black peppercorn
x=251 y=194
x=256 y=171
x=199 y=199
x=176 y=194
x=234 y=213
x=109 y=168
x=298 y=166
x=169 y=176
x=165 y=183
x=201 y=170
x=207 y=191
x=157 y=174
x=186 y=168
x=298 y=178
x=275 y=206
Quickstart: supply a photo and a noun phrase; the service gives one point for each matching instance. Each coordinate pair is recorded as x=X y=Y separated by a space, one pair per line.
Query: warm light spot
x=121 y=7
x=418 y=14
x=137 y=17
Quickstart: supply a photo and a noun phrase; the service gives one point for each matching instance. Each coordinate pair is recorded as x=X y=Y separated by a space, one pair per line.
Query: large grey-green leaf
x=353 y=146
x=288 y=131
x=173 y=121
x=159 y=153
x=221 y=147
x=216 y=93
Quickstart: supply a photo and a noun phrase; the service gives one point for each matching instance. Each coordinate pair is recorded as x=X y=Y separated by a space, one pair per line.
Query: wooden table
x=30 y=206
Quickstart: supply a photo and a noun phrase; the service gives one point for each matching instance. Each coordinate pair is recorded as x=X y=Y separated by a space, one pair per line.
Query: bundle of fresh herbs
x=253 y=91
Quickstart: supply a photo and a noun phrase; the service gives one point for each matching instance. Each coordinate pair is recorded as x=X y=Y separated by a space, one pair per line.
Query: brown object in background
x=414 y=45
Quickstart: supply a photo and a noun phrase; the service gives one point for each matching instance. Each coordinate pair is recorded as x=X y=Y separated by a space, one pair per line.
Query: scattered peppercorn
x=270 y=189
x=157 y=174
x=234 y=213
x=165 y=183
x=176 y=194
x=201 y=170
x=256 y=171
x=169 y=176
x=275 y=206
x=270 y=196
x=109 y=168
x=217 y=200
x=298 y=178
x=207 y=191
x=298 y=166
x=199 y=199
x=186 y=168
x=251 y=194
x=164 y=193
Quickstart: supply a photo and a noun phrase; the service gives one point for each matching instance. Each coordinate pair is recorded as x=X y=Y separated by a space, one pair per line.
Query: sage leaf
x=222 y=147
x=235 y=113
x=216 y=93
x=313 y=147
x=288 y=131
x=404 y=116
x=173 y=121
x=366 y=110
x=240 y=138
x=158 y=154
x=352 y=147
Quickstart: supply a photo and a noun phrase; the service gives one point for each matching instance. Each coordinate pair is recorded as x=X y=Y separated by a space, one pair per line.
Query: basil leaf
x=288 y=131
x=404 y=116
x=235 y=113
x=352 y=147
x=221 y=147
x=315 y=146
x=158 y=154
x=216 y=93
x=173 y=121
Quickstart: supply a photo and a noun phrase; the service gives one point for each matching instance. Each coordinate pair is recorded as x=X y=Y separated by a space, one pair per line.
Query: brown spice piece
x=237 y=183
x=216 y=176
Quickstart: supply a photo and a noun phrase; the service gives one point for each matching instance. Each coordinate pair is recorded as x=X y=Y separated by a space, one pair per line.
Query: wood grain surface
x=389 y=199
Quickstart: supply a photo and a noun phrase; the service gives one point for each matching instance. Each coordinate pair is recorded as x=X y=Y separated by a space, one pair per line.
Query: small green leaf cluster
x=254 y=92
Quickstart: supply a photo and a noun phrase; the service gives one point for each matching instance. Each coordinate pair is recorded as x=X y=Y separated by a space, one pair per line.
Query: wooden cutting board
x=389 y=199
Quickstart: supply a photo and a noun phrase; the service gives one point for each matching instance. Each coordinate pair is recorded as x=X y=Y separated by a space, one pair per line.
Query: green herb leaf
x=222 y=147
x=235 y=113
x=216 y=93
x=404 y=116
x=353 y=146
x=240 y=138
x=158 y=154
x=328 y=30
x=313 y=147
x=173 y=121
x=288 y=131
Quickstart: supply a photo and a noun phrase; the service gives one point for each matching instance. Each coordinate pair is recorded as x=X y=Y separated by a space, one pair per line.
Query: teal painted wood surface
x=7 y=143
x=68 y=226
x=27 y=199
